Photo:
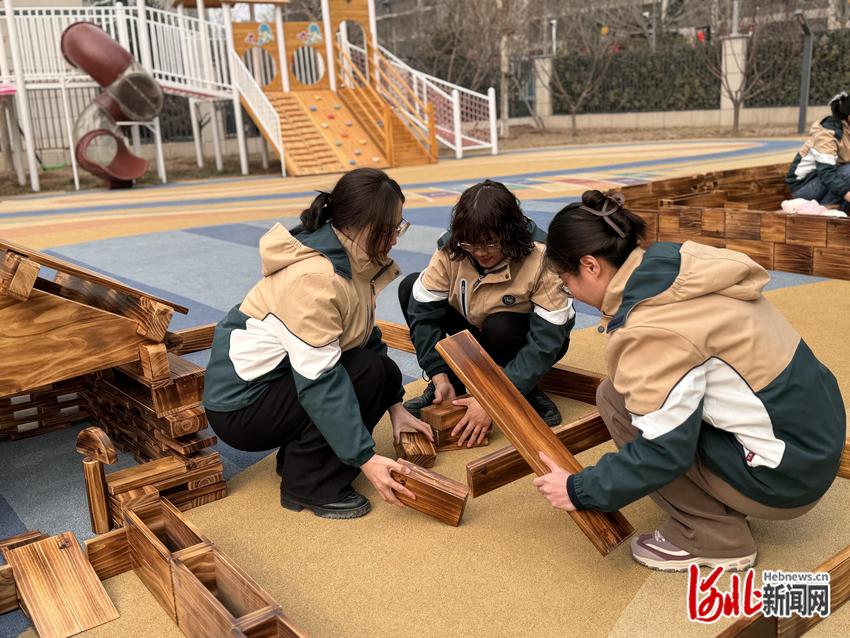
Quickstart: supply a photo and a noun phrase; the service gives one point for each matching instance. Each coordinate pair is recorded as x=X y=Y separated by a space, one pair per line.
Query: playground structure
x=325 y=96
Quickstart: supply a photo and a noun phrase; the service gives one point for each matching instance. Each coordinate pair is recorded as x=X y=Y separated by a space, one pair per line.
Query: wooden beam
x=153 y=359
x=436 y=495
x=526 y=430
x=195 y=339
x=17 y=541
x=416 y=448
x=96 y=495
x=567 y=381
x=507 y=465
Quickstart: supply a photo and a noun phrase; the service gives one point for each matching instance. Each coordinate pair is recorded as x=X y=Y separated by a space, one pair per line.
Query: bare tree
x=746 y=69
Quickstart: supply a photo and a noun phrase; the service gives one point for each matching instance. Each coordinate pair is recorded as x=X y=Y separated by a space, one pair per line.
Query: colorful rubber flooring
x=196 y=243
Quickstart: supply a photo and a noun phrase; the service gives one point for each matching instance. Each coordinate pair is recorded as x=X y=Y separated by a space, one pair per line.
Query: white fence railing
x=177 y=55
x=264 y=113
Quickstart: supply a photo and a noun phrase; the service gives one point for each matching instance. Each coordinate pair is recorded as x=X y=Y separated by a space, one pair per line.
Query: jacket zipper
x=369 y=317
x=464 y=301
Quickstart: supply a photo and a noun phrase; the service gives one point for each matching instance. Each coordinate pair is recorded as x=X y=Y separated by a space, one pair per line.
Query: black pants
x=311 y=471
x=502 y=335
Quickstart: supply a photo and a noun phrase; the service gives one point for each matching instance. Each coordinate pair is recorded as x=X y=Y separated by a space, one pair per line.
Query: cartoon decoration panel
x=305 y=47
x=256 y=44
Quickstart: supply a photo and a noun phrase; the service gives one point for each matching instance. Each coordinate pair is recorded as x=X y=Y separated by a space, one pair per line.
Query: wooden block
x=773 y=227
x=574 y=383
x=742 y=225
x=844 y=467
x=184 y=499
x=153 y=359
x=793 y=258
x=109 y=554
x=396 y=336
x=185 y=422
x=451 y=444
x=8 y=592
x=23 y=280
x=416 y=448
x=188 y=444
x=195 y=339
x=668 y=222
x=436 y=495
x=690 y=221
x=525 y=429
x=59 y=587
x=838 y=233
x=155 y=536
x=507 y=465
x=760 y=252
x=269 y=624
x=442 y=417
x=17 y=541
x=807 y=230
x=151 y=473
x=74 y=338
x=94 y=443
x=831 y=262
x=141 y=500
x=96 y=495
x=212 y=593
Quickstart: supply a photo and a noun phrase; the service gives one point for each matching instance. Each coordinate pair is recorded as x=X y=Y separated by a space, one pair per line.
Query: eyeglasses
x=402 y=227
x=465 y=246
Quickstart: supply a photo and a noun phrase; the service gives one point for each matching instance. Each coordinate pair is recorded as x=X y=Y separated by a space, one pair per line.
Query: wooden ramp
x=58 y=587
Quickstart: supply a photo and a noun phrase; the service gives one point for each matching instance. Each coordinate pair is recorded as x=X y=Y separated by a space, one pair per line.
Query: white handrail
x=265 y=114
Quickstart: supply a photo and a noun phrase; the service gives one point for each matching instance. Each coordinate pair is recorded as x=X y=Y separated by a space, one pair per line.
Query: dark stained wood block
x=416 y=448
x=526 y=430
x=831 y=262
x=94 y=443
x=153 y=360
x=109 y=554
x=59 y=588
x=760 y=252
x=690 y=222
x=713 y=222
x=651 y=219
x=195 y=339
x=742 y=225
x=807 y=230
x=793 y=258
x=838 y=233
x=571 y=382
x=507 y=465
x=442 y=417
x=436 y=495
x=773 y=227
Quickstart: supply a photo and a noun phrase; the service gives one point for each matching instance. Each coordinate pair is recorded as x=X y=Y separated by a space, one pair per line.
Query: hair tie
x=613 y=203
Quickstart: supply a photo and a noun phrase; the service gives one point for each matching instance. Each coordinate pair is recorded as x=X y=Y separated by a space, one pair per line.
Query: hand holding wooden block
x=443 y=417
x=436 y=495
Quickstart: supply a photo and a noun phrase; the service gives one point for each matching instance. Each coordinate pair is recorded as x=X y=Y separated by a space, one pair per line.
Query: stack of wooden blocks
x=41 y=410
x=740 y=209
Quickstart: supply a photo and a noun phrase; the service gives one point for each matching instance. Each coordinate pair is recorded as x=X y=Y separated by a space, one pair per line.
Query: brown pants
x=708 y=517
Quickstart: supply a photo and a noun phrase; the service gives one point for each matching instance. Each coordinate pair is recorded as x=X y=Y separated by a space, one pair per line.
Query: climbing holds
x=352 y=162
x=313 y=108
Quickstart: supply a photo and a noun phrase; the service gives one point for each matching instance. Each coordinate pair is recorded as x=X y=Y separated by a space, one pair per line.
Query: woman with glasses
x=719 y=409
x=299 y=364
x=488 y=276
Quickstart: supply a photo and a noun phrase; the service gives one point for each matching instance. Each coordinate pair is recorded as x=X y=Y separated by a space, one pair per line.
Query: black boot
x=544 y=406
x=415 y=405
x=352 y=505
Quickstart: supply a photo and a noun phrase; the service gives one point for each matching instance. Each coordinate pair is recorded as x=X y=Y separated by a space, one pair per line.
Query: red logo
x=707 y=604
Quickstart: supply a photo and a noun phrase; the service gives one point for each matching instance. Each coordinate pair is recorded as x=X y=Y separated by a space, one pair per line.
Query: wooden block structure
x=526 y=430
x=436 y=495
x=201 y=588
x=740 y=209
x=41 y=410
x=416 y=448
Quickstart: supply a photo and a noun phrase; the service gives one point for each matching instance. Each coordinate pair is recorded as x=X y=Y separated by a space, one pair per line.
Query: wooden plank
x=96 y=495
x=831 y=262
x=151 y=316
x=436 y=495
x=793 y=258
x=773 y=227
x=416 y=448
x=807 y=230
x=59 y=587
x=142 y=499
x=63 y=266
x=269 y=624
x=526 y=430
x=668 y=222
x=187 y=499
x=74 y=338
x=195 y=339
x=150 y=473
x=20 y=539
x=507 y=465
x=109 y=554
x=838 y=233
x=188 y=444
x=8 y=591
x=23 y=280
x=844 y=467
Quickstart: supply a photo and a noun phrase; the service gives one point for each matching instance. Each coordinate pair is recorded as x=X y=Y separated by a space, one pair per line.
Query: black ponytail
x=318 y=213
x=599 y=225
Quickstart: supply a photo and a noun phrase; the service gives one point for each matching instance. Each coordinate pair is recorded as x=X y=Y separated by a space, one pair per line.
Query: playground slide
x=129 y=94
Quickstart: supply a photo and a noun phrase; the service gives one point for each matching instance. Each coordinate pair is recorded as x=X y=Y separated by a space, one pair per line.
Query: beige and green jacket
x=827 y=147
x=522 y=286
x=709 y=367
x=315 y=301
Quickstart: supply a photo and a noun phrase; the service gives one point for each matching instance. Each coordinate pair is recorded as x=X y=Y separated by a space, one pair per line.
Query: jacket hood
x=279 y=248
x=669 y=273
